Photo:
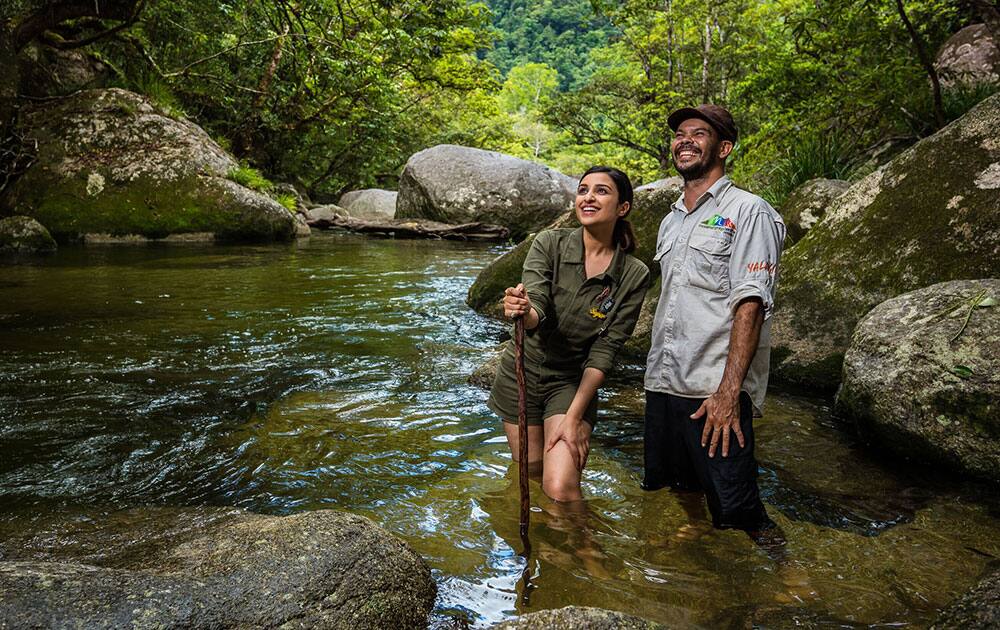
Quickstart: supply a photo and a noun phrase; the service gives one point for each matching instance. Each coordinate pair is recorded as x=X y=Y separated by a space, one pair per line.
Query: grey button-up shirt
x=723 y=251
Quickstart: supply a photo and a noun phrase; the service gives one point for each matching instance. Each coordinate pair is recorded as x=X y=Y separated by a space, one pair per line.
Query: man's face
x=696 y=148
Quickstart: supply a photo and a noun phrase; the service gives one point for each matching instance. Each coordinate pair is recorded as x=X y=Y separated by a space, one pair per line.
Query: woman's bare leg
x=560 y=476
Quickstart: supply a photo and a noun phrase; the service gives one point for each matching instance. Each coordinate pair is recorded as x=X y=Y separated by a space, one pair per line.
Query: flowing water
x=332 y=374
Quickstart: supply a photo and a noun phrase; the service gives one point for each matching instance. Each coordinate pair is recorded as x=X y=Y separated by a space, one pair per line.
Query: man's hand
x=574 y=432
x=723 y=411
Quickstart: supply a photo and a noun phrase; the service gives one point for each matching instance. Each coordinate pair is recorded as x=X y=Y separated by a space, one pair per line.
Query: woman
x=580 y=296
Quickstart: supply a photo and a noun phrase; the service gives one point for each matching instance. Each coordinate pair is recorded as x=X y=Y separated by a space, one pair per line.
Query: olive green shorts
x=544 y=400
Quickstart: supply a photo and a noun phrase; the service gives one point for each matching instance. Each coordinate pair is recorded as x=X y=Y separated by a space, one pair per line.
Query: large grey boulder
x=969 y=57
x=979 y=608
x=371 y=203
x=807 y=204
x=24 y=235
x=320 y=569
x=577 y=618
x=922 y=375
x=924 y=217
x=454 y=184
x=111 y=162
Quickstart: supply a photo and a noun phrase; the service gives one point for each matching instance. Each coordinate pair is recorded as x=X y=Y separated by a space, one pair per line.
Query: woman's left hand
x=576 y=434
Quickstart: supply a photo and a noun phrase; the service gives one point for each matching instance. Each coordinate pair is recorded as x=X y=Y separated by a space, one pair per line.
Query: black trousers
x=673 y=456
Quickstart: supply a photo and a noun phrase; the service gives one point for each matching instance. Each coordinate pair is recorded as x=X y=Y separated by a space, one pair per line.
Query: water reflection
x=333 y=375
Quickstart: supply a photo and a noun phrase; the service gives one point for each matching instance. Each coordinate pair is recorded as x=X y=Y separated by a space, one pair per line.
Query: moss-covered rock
x=926 y=216
x=651 y=204
x=979 y=608
x=321 y=569
x=454 y=184
x=922 y=376
x=110 y=162
x=577 y=617
x=24 y=235
x=807 y=204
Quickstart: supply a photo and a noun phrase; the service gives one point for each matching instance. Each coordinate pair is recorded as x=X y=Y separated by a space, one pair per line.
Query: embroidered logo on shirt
x=606 y=302
x=719 y=221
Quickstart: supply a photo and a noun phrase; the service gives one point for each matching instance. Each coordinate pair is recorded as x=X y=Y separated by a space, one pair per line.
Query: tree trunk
x=926 y=62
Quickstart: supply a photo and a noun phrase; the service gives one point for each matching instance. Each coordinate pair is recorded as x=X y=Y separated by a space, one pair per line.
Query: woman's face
x=597 y=200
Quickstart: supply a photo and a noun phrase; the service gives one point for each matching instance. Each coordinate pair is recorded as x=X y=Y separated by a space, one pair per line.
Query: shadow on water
x=333 y=374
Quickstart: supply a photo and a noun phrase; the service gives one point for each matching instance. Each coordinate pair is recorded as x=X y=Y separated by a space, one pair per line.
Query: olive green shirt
x=582 y=322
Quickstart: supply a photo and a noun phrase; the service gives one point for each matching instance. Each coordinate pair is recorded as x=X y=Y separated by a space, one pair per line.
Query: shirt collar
x=715 y=191
x=573 y=253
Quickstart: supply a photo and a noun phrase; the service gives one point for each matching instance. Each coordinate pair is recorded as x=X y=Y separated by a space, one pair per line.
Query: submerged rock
x=454 y=184
x=924 y=217
x=807 y=204
x=109 y=161
x=577 y=617
x=321 y=569
x=371 y=203
x=485 y=373
x=24 y=235
x=922 y=375
x=970 y=57
x=979 y=608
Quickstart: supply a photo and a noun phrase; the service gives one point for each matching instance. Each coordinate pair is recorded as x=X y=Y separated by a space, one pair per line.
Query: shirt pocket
x=708 y=261
x=662 y=250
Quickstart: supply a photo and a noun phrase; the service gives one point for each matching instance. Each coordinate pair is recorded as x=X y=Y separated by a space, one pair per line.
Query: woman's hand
x=576 y=434
x=515 y=302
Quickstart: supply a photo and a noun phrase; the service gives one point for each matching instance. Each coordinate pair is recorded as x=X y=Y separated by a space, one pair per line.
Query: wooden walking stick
x=522 y=431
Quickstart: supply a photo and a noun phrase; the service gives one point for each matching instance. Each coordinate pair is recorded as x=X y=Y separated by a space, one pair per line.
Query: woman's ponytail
x=624 y=236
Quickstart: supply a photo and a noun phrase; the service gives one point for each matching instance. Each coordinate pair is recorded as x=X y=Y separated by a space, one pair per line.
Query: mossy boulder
x=651 y=205
x=979 y=608
x=24 y=235
x=111 y=162
x=577 y=617
x=926 y=216
x=807 y=204
x=321 y=569
x=922 y=376
x=454 y=184
x=48 y=71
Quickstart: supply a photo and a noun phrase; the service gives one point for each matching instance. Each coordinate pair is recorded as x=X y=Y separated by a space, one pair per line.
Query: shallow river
x=332 y=374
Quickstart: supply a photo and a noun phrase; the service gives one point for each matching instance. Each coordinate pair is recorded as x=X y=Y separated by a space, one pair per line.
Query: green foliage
x=251 y=178
x=288 y=201
x=330 y=93
x=811 y=156
x=557 y=33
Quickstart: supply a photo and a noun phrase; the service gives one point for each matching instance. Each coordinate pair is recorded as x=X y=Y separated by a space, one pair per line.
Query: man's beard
x=697 y=169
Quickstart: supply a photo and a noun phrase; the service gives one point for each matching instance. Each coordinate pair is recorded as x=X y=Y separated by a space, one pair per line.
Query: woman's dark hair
x=624 y=236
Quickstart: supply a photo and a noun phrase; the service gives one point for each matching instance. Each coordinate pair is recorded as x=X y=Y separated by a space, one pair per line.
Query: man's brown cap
x=719 y=117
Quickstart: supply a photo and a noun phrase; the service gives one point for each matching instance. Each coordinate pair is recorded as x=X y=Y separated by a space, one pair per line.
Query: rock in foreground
x=111 y=162
x=453 y=184
x=320 y=569
x=922 y=376
x=24 y=235
x=577 y=618
x=979 y=608
x=924 y=217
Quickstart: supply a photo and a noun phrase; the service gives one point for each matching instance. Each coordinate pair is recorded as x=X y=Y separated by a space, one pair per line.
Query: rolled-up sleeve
x=756 y=253
x=605 y=348
x=536 y=274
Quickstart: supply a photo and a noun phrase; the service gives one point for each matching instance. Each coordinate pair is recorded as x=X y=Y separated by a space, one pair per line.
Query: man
x=718 y=249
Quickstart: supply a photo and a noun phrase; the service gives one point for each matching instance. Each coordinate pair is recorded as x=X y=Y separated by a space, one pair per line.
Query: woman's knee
x=562 y=488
